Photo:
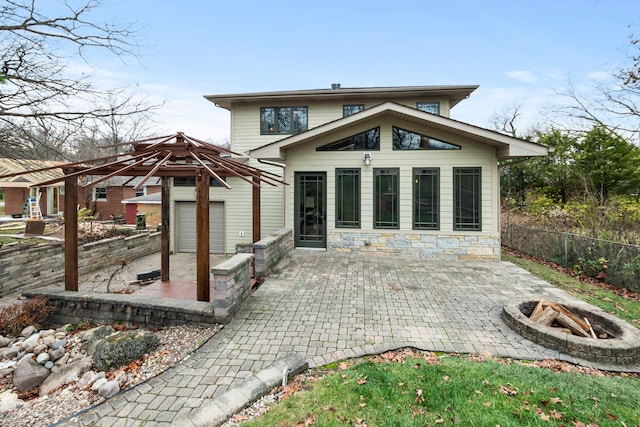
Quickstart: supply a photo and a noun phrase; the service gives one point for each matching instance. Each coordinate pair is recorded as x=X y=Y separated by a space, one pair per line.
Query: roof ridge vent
x=335 y=86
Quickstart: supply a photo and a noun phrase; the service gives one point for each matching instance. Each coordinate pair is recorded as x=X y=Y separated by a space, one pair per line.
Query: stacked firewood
x=557 y=316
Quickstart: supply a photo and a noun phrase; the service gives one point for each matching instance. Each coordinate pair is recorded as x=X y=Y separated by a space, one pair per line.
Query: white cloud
x=522 y=76
x=599 y=76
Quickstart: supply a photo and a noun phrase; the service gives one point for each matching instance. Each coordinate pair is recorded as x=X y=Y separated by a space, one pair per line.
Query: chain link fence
x=617 y=263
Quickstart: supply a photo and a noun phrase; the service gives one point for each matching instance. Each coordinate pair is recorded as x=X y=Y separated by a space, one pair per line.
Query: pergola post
x=70 y=234
x=202 y=236
x=164 y=228
x=256 y=209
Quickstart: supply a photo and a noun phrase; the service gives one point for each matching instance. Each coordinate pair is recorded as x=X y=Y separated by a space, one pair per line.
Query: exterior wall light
x=366 y=157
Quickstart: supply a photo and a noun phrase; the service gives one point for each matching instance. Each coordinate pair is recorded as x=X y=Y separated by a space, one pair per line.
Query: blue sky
x=517 y=51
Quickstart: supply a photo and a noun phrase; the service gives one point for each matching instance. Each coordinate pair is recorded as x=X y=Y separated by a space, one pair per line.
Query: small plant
x=592 y=268
x=15 y=317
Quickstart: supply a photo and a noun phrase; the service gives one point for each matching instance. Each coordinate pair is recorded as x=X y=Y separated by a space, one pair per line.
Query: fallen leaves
x=419 y=396
x=508 y=391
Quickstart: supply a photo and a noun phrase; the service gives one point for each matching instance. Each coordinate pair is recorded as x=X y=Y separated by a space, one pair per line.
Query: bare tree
x=37 y=85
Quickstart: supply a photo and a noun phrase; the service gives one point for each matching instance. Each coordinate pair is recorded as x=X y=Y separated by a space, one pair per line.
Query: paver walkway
x=329 y=306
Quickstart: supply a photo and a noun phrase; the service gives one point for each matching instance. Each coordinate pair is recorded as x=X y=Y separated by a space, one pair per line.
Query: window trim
x=457 y=224
x=305 y=126
x=377 y=172
x=356 y=172
x=436 y=174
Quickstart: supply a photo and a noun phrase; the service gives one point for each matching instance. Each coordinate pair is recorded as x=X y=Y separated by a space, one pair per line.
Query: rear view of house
x=382 y=170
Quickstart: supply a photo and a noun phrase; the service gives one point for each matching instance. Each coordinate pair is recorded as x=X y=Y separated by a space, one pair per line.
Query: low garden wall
x=232 y=285
x=23 y=268
x=271 y=249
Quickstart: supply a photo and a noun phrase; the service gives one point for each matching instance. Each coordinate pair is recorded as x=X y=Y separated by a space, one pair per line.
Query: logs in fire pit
x=557 y=316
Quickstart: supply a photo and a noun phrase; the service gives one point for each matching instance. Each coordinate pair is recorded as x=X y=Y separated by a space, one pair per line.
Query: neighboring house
x=147 y=207
x=370 y=169
x=105 y=199
x=18 y=188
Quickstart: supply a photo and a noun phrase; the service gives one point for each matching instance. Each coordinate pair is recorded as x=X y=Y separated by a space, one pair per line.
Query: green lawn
x=430 y=391
x=624 y=308
x=448 y=390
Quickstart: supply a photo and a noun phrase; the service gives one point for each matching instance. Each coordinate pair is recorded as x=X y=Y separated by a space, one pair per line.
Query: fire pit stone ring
x=621 y=348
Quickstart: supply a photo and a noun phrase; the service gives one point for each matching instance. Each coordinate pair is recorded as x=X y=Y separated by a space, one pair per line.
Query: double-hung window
x=348 y=198
x=349 y=109
x=386 y=209
x=283 y=120
x=426 y=197
x=466 y=199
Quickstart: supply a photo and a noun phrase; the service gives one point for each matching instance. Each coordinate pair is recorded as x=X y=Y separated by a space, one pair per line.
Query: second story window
x=429 y=107
x=349 y=109
x=283 y=120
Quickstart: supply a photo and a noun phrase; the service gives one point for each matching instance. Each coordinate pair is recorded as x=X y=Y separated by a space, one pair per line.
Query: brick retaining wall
x=231 y=284
x=25 y=268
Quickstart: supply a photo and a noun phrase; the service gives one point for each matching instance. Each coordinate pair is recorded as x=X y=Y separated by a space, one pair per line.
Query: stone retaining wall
x=444 y=247
x=271 y=249
x=231 y=285
x=25 y=268
x=127 y=309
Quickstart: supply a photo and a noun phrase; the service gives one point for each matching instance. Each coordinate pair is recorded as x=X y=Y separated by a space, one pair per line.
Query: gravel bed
x=177 y=343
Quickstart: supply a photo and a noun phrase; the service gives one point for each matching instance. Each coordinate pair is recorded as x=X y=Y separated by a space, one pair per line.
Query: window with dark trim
x=368 y=140
x=426 y=198
x=283 y=120
x=429 y=107
x=407 y=140
x=100 y=193
x=466 y=199
x=190 y=181
x=348 y=198
x=349 y=109
x=386 y=208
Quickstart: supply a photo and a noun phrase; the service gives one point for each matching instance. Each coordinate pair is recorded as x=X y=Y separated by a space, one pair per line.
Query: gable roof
x=506 y=146
x=454 y=94
x=12 y=166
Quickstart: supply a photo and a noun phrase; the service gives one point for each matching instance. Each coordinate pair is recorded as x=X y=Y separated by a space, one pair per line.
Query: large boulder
x=29 y=374
x=123 y=347
x=92 y=338
x=65 y=374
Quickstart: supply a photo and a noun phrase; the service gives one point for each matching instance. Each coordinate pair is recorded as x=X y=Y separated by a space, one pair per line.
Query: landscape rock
x=65 y=374
x=9 y=401
x=43 y=358
x=28 y=331
x=57 y=353
x=123 y=347
x=4 y=341
x=109 y=389
x=29 y=374
x=99 y=383
x=87 y=380
x=9 y=352
x=58 y=344
x=93 y=336
x=49 y=364
x=47 y=333
x=40 y=348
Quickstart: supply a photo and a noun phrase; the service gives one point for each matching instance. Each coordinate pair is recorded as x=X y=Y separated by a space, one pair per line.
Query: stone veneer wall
x=444 y=247
x=24 y=268
x=231 y=284
x=271 y=249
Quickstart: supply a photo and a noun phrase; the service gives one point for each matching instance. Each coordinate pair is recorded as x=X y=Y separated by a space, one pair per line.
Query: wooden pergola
x=165 y=157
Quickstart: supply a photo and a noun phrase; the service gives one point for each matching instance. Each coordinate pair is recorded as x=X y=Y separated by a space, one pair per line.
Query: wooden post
x=256 y=209
x=70 y=234
x=202 y=236
x=164 y=228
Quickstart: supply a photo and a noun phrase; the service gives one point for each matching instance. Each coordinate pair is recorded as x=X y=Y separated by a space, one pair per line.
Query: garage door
x=186 y=227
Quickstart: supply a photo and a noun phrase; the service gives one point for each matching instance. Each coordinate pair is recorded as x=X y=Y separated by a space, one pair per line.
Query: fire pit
x=611 y=341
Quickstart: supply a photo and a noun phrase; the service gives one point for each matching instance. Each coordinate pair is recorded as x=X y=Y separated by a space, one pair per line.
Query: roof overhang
x=453 y=93
x=506 y=146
